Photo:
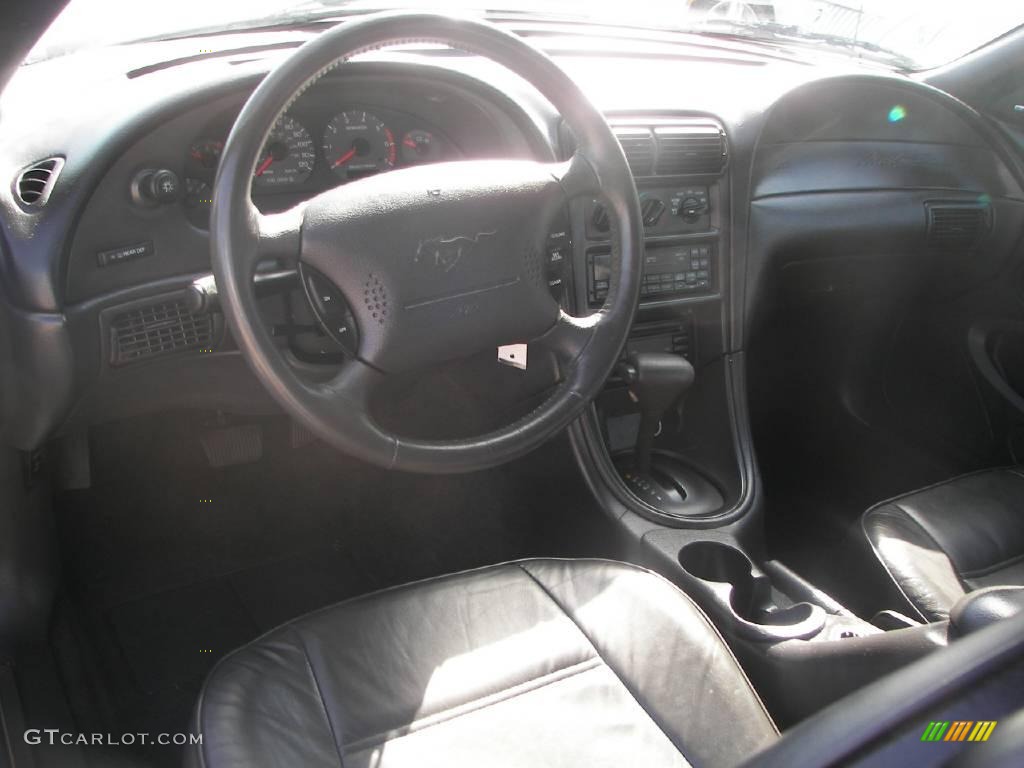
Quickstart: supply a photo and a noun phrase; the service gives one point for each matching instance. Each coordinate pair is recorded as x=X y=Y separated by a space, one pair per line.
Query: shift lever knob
x=656 y=381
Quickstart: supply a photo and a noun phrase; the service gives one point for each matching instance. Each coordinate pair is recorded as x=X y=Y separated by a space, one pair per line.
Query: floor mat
x=170 y=563
x=169 y=639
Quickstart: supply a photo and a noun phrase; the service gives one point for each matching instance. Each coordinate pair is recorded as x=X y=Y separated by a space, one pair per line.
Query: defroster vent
x=160 y=328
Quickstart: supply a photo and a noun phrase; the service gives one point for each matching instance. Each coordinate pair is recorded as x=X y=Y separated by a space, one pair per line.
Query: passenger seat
x=943 y=541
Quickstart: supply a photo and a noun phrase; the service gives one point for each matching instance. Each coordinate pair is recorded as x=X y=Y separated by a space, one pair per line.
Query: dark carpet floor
x=169 y=563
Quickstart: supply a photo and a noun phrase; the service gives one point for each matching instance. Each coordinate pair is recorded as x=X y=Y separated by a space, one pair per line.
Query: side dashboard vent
x=35 y=183
x=686 y=149
x=150 y=330
x=957 y=226
x=638 y=146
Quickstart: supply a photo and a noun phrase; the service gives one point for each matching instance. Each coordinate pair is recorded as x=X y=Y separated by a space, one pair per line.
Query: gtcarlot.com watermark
x=55 y=736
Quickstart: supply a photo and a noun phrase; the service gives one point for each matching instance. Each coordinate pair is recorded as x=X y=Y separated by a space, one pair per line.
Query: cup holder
x=739 y=594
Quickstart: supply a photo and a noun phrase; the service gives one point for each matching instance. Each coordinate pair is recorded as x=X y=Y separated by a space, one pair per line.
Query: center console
x=667 y=447
x=672 y=462
x=801 y=648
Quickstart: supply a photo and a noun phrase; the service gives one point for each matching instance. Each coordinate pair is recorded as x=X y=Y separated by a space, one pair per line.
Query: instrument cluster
x=306 y=153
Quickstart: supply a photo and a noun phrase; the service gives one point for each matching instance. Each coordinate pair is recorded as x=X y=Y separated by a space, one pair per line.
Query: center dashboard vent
x=676 y=148
x=150 y=330
x=35 y=183
x=957 y=226
x=638 y=146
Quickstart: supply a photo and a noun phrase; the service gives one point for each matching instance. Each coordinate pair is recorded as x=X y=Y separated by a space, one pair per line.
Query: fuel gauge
x=419 y=146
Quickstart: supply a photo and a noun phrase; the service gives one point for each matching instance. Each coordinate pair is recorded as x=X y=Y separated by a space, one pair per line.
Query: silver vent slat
x=158 y=329
x=686 y=149
x=638 y=146
x=35 y=183
x=669 y=147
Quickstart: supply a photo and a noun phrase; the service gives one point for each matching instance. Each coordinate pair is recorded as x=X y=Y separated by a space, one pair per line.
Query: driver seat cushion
x=536 y=662
x=940 y=542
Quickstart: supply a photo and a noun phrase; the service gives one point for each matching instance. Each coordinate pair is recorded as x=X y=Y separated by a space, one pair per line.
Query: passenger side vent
x=686 y=149
x=957 y=226
x=638 y=146
x=157 y=329
x=36 y=182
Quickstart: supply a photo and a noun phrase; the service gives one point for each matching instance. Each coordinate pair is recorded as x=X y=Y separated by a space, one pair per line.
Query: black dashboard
x=753 y=165
x=339 y=131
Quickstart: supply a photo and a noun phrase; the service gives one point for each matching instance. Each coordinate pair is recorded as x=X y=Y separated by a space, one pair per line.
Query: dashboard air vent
x=672 y=146
x=957 y=226
x=693 y=148
x=156 y=329
x=638 y=146
x=35 y=182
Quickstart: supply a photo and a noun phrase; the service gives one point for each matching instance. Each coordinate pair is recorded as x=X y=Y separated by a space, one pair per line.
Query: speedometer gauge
x=288 y=156
x=357 y=143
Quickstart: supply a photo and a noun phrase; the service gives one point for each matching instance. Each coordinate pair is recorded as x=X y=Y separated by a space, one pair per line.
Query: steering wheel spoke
x=576 y=176
x=569 y=337
x=279 y=235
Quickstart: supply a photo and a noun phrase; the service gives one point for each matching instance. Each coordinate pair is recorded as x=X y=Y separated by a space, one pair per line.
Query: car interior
x=431 y=385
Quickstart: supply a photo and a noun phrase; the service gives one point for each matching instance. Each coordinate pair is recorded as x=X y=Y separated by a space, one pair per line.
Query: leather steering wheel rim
x=465 y=196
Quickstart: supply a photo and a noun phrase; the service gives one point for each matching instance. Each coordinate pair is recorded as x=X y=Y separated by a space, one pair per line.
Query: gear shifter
x=656 y=382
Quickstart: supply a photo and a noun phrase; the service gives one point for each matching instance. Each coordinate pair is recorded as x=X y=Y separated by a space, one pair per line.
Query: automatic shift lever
x=656 y=381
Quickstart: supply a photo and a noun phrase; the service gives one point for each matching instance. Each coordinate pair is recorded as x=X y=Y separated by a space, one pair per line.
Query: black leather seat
x=534 y=663
x=947 y=539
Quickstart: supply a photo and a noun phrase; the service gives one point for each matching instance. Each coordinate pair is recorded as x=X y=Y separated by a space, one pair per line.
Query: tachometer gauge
x=288 y=156
x=357 y=143
x=419 y=146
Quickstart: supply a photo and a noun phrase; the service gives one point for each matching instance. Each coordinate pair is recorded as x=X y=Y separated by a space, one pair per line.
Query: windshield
x=911 y=34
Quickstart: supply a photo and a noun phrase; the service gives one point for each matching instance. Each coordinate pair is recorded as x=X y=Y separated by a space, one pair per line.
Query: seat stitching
x=475 y=705
x=992 y=568
x=1013 y=470
x=560 y=607
x=320 y=696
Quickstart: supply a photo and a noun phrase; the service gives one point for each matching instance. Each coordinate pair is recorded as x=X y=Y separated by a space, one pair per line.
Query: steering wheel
x=375 y=239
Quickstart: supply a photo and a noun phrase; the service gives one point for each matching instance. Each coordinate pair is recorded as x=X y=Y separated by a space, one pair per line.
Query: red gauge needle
x=410 y=143
x=344 y=158
x=264 y=165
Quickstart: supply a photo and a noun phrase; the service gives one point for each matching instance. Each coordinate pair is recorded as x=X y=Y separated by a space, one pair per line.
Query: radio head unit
x=670 y=271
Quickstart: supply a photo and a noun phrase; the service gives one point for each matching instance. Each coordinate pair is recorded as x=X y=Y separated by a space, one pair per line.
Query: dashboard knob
x=691 y=208
x=651 y=209
x=600 y=218
x=156 y=187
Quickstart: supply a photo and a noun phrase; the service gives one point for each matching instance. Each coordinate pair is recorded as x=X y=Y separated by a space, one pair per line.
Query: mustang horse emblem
x=446 y=252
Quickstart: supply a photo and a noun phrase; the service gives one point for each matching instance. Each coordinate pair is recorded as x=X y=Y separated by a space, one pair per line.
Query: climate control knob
x=691 y=209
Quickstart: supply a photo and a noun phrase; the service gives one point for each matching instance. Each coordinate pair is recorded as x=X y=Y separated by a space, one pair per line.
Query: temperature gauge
x=420 y=146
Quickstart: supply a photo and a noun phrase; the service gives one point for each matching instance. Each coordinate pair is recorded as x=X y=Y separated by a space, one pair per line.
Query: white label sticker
x=513 y=354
